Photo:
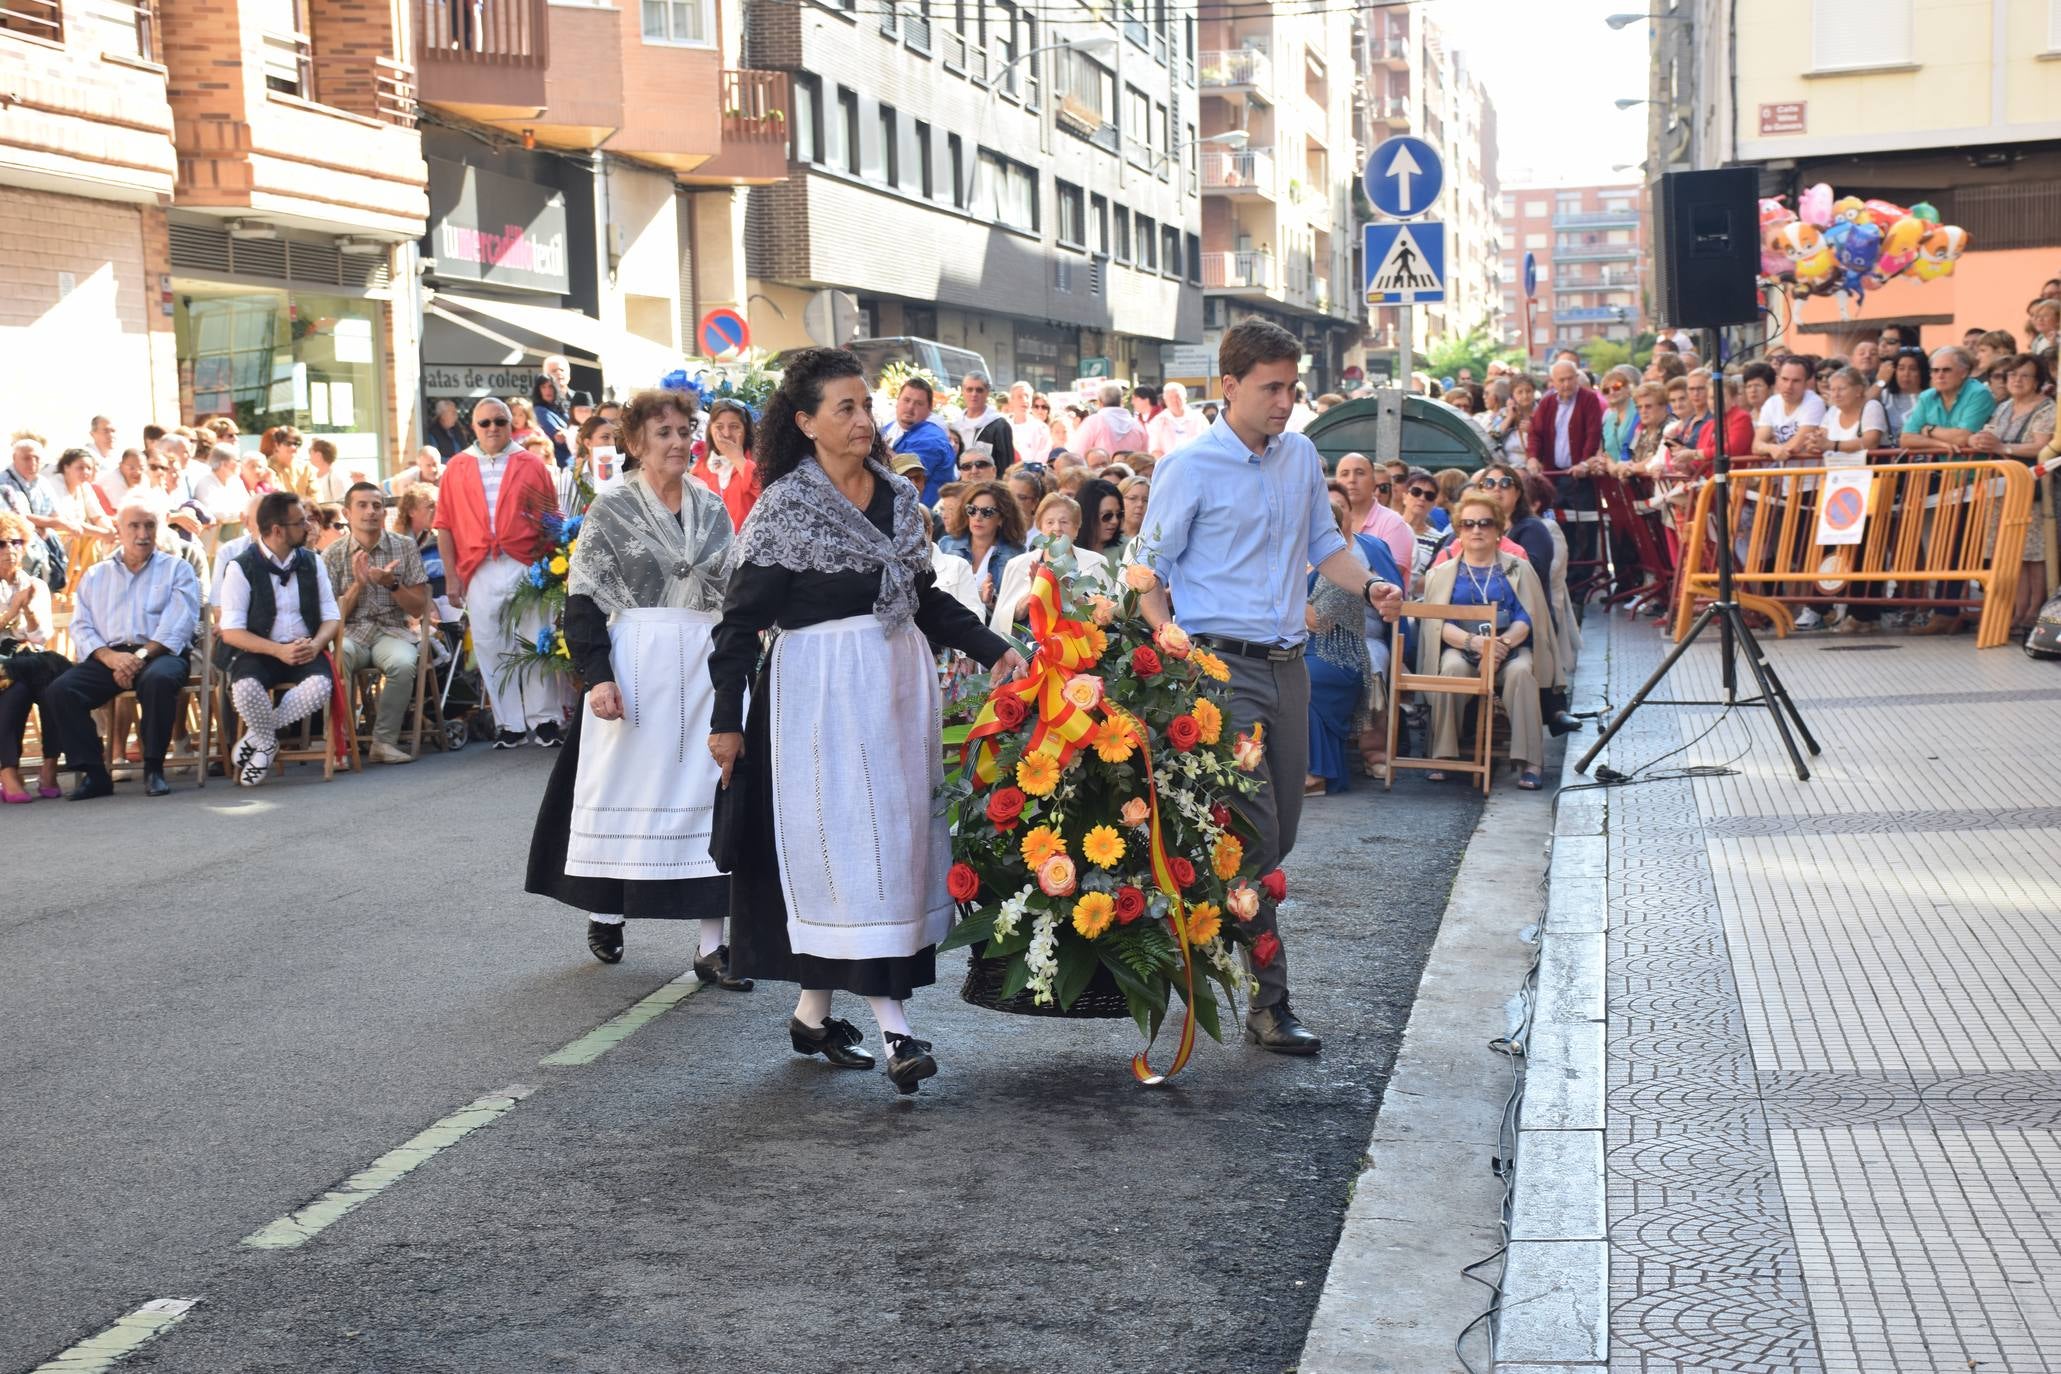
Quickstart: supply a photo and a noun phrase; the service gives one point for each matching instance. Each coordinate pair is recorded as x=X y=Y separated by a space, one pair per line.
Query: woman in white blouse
x=1059 y=517
x=25 y=625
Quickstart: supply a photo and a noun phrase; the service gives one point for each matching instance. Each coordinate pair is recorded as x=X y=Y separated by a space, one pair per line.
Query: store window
x=266 y=357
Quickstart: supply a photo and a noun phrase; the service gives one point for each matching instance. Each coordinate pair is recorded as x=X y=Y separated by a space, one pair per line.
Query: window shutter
x=1859 y=33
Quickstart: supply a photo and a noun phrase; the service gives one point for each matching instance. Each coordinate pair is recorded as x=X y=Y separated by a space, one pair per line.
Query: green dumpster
x=1434 y=436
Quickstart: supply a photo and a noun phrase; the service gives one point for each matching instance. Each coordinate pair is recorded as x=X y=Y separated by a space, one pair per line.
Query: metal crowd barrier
x=1931 y=535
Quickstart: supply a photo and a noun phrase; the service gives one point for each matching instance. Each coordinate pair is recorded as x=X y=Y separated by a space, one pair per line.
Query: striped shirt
x=160 y=603
x=492 y=468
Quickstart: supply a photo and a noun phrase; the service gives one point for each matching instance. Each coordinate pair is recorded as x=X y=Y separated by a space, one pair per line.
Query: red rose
x=1184 y=872
x=1266 y=948
x=1005 y=806
x=1009 y=709
x=1144 y=662
x=1130 y=904
x=963 y=883
x=1221 y=814
x=1275 y=884
x=1184 y=732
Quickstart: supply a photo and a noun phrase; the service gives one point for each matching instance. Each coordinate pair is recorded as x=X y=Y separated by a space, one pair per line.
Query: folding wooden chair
x=1481 y=685
x=367 y=683
x=307 y=745
x=125 y=716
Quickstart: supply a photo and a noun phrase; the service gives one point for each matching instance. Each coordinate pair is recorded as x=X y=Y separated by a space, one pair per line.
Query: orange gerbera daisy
x=1225 y=858
x=1041 y=844
x=1210 y=664
x=1113 y=740
x=1098 y=642
x=1209 y=718
x=1103 y=846
x=1093 y=913
x=1204 y=920
x=1037 y=773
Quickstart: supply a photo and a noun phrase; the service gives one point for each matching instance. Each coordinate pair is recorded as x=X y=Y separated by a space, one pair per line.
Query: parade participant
x=132 y=624
x=279 y=611
x=917 y=433
x=850 y=897
x=1513 y=602
x=488 y=531
x=726 y=468
x=384 y=583
x=623 y=828
x=1235 y=519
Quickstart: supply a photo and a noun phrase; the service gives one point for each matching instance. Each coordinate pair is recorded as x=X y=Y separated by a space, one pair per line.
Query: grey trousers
x=1276 y=695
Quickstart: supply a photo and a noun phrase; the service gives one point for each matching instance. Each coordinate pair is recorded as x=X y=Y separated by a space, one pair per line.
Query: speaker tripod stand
x=1733 y=635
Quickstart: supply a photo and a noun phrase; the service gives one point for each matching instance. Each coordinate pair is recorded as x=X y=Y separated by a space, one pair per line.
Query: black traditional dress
x=624 y=823
x=840 y=883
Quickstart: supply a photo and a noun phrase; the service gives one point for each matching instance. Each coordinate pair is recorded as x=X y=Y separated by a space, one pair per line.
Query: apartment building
x=1591 y=245
x=987 y=176
x=1277 y=223
x=1416 y=83
x=587 y=166
x=1901 y=100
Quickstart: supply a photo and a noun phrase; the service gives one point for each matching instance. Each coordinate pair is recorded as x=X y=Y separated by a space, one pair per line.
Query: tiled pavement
x=1831 y=1089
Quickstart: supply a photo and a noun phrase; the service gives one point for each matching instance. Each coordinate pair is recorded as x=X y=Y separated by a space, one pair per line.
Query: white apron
x=646 y=784
x=857 y=757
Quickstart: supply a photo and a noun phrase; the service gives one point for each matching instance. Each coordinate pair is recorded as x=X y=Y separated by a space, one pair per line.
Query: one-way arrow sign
x=1406 y=263
x=1404 y=176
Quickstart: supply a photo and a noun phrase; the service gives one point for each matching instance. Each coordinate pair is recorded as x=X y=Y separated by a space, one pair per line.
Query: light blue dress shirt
x=1232 y=533
x=116 y=606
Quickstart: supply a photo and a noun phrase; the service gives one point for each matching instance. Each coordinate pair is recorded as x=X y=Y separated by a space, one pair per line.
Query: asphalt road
x=214 y=1007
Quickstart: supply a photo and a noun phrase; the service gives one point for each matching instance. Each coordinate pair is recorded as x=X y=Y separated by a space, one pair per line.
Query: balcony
x=754 y=148
x=1608 y=281
x=485 y=61
x=1239 y=171
x=1391 y=109
x=79 y=121
x=1392 y=51
x=1597 y=219
x=1242 y=271
x=1248 y=69
x=1594 y=314
x=1598 y=252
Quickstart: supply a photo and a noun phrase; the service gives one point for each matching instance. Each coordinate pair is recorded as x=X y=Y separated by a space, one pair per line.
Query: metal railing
x=289 y=62
x=754 y=106
x=1237 y=67
x=506 y=33
x=1239 y=270
x=1595 y=219
x=1238 y=169
x=394 y=92
x=36 y=18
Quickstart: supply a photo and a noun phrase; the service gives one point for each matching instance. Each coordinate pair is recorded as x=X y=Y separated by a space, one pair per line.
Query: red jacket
x=1584 y=429
x=527 y=493
x=744 y=488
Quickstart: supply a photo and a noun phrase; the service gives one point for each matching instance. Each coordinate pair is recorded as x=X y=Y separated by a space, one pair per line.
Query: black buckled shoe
x=909 y=1062
x=714 y=967
x=835 y=1040
x=605 y=938
x=1277 y=1029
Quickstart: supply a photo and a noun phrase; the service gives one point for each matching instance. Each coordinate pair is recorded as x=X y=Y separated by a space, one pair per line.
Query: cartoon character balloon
x=1857 y=245
x=1899 y=248
x=1814 y=206
x=1937 y=251
x=1774 y=257
x=1810 y=257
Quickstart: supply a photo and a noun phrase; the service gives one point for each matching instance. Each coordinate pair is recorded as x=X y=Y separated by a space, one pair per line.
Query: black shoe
x=605 y=938
x=510 y=739
x=1561 y=723
x=714 y=967
x=835 y=1040
x=154 y=784
x=1276 y=1028
x=547 y=736
x=909 y=1062
x=94 y=782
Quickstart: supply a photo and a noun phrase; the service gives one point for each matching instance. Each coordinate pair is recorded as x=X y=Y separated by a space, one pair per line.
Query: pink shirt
x=1111 y=429
x=1394 y=531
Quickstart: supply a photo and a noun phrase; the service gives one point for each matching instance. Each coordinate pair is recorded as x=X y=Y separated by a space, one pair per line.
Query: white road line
x=391 y=1167
x=617 y=1029
x=96 y=1353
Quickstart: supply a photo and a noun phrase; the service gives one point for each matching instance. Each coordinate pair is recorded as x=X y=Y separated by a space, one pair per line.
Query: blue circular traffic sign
x=1531 y=275
x=722 y=331
x=1404 y=176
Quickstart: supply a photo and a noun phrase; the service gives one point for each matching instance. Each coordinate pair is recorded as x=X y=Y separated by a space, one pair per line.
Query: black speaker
x=1709 y=256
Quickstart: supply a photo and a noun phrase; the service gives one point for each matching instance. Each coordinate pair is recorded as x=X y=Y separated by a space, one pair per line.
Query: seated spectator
x=281 y=449
x=164 y=477
x=257 y=476
x=1347 y=649
x=225 y=553
x=326 y=525
x=23 y=491
x=278 y=611
x=26 y=666
x=133 y=620
x=1512 y=603
x=429 y=467
x=330 y=481
x=384 y=584
x=415 y=519
x=1059 y=517
x=447 y=431
x=222 y=490
x=77 y=505
x=994 y=535
x=124 y=477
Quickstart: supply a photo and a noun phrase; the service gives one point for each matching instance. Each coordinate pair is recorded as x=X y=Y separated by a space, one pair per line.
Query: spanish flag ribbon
x=1177 y=917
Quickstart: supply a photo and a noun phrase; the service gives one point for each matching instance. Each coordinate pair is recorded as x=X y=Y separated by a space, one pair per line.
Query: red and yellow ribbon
x=1065 y=648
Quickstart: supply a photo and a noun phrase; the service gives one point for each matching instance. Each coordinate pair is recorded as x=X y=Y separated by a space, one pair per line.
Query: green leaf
x=1016 y=942
x=1017 y=978
x=1205 y=1004
x=968 y=931
x=1146 y=998
x=1077 y=963
x=955 y=735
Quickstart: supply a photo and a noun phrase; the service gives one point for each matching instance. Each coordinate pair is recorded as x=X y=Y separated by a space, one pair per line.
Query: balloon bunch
x=1825 y=246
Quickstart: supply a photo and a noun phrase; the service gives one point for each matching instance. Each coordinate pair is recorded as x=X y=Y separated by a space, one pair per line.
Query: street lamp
x=1626 y=102
x=1091 y=47
x=1230 y=138
x=1619 y=21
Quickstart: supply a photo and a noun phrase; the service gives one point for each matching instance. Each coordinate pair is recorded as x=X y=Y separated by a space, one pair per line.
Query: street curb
x=1427 y=1202
x=1555 y=1304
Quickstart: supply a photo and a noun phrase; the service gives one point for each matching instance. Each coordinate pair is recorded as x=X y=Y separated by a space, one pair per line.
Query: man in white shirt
x=101 y=441
x=120 y=477
x=975 y=414
x=222 y=490
x=1794 y=413
x=1176 y=425
x=279 y=613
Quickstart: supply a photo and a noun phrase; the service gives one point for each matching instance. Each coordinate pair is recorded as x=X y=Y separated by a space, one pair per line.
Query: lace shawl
x=803 y=523
x=632 y=552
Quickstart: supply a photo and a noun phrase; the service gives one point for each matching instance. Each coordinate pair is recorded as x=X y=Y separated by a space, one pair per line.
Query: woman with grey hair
x=1176 y=425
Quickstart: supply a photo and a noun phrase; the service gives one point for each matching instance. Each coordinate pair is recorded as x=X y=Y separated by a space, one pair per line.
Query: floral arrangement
x=1094 y=834
x=542 y=588
x=896 y=374
x=746 y=381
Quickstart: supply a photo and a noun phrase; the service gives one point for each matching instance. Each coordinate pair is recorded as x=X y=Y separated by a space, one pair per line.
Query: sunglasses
x=1110 y=517
x=1040 y=405
x=983 y=513
x=1479 y=524
x=1384 y=487
x=1421 y=493
x=1495 y=483
x=987 y=463
x=489 y=424
x=13 y=543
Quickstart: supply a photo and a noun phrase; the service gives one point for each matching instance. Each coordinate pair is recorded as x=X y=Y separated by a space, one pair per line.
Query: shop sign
x=1782 y=117
x=469 y=379
x=489 y=228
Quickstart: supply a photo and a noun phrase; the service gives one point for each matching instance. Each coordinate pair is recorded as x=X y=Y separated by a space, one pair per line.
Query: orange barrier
x=1932 y=529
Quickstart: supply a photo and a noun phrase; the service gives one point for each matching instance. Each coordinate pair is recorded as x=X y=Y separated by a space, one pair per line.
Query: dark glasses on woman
x=1495 y=483
x=983 y=513
x=1477 y=524
x=1422 y=493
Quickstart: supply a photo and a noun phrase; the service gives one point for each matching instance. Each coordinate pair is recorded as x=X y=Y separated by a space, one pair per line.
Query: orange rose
x=1140 y=578
x=1083 y=690
x=1242 y=902
x=1056 y=878
x=1172 y=640
x=1250 y=750
x=1136 y=812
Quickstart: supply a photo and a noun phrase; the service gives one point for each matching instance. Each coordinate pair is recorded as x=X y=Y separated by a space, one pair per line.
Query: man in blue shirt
x=1236 y=520
x=915 y=432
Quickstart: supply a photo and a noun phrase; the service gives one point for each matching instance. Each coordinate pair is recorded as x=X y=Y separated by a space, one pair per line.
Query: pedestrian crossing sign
x=1406 y=263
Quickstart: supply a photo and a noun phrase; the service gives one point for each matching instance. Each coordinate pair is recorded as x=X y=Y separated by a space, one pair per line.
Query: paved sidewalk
x=1829 y=1102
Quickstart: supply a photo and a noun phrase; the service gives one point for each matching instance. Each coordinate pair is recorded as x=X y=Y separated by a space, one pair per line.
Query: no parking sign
x=1843 y=506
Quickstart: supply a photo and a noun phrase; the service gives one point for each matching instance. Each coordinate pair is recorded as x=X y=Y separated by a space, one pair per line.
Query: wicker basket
x=1101 y=1000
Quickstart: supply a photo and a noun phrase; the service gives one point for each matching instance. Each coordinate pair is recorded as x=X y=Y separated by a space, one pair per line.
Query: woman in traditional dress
x=839 y=879
x=624 y=828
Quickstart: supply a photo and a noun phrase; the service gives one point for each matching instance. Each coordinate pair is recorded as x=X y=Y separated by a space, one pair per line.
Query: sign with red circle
x=1843 y=506
x=722 y=332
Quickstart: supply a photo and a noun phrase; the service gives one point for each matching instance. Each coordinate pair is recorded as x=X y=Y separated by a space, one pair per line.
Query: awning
x=628 y=361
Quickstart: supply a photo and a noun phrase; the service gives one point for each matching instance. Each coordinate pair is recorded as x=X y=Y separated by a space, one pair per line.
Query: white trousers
x=520 y=701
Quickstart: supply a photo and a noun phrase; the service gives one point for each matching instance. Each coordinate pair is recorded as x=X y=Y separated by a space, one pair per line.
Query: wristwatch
x=1367 y=591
